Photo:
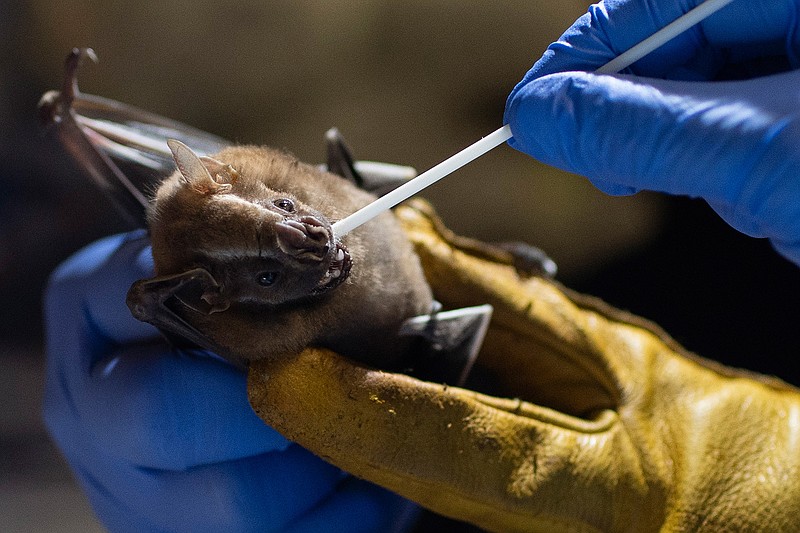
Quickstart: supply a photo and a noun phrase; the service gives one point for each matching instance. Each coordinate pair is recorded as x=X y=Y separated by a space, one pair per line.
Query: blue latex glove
x=166 y=441
x=665 y=126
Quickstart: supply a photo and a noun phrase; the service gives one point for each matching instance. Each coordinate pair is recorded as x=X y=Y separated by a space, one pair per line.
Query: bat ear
x=223 y=173
x=197 y=172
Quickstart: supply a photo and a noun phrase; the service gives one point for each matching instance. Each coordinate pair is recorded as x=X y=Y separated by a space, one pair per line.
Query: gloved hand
x=615 y=428
x=665 y=126
x=162 y=440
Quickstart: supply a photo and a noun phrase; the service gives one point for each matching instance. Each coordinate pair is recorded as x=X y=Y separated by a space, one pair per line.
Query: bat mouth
x=338 y=270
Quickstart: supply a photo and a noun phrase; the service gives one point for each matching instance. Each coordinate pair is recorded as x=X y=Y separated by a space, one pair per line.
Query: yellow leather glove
x=616 y=427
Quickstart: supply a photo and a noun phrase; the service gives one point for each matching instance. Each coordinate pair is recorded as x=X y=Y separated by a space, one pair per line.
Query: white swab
x=501 y=135
x=429 y=177
x=665 y=34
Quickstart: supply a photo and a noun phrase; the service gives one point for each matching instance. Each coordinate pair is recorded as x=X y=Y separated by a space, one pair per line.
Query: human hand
x=612 y=426
x=665 y=125
x=164 y=440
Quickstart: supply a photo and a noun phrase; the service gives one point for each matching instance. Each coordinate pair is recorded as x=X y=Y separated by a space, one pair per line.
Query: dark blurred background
x=406 y=82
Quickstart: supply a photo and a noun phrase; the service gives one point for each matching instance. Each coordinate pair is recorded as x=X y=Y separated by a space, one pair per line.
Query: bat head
x=260 y=245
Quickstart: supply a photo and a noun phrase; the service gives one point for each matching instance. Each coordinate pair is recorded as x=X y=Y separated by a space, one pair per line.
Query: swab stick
x=501 y=135
x=429 y=177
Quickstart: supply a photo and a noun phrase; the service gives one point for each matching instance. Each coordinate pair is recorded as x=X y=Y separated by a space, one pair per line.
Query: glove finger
x=732 y=143
x=114 y=375
x=611 y=28
x=268 y=492
x=501 y=464
x=544 y=344
x=374 y=508
x=159 y=409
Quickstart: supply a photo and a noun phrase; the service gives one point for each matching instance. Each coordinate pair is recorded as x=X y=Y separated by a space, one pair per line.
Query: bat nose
x=307 y=238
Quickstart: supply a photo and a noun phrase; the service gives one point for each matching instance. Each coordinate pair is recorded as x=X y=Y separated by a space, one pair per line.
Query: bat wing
x=449 y=343
x=121 y=147
x=377 y=178
x=164 y=300
x=124 y=148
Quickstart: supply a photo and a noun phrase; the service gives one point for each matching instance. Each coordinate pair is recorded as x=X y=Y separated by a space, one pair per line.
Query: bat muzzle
x=305 y=239
x=310 y=240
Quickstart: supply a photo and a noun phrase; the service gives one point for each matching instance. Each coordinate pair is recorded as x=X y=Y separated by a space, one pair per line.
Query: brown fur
x=227 y=232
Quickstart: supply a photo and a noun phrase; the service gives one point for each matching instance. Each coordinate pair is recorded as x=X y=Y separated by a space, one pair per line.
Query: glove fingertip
x=543 y=121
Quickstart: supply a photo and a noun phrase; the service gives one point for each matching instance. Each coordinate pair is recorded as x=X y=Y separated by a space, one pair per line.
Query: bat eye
x=265 y=279
x=285 y=204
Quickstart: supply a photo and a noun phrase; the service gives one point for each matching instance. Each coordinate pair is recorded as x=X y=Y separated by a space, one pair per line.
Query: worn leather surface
x=608 y=424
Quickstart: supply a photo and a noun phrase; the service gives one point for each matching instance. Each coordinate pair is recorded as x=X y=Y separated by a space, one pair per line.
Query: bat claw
x=54 y=105
x=149 y=299
x=49 y=108
x=73 y=62
x=161 y=301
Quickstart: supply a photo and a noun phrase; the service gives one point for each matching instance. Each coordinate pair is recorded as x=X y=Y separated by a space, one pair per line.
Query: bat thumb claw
x=71 y=65
x=215 y=301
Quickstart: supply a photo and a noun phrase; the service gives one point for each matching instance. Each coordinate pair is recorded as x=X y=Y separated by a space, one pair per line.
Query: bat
x=244 y=240
x=246 y=261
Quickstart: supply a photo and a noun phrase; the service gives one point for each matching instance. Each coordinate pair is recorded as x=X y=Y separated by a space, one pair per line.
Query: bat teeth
x=338 y=271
